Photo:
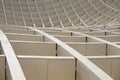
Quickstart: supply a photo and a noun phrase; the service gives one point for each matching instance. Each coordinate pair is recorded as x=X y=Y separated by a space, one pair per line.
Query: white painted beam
x=13 y=64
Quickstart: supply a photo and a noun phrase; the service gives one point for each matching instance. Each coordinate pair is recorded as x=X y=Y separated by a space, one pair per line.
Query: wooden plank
x=48 y=67
x=112 y=50
x=95 y=33
x=84 y=73
x=17 y=31
x=62 y=52
x=89 y=49
x=111 y=38
x=61 y=69
x=24 y=37
x=104 y=64
x=34 y=48
x=34 y=69
x=71 y=39
x=115 y=68
x=14 y=27
x=59 y=33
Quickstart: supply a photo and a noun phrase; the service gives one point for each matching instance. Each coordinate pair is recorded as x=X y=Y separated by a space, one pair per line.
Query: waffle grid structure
x=59 y=13
x=29 y=53
x=59 y=40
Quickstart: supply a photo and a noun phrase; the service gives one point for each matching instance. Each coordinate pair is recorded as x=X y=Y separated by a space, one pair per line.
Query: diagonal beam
x=92 y=69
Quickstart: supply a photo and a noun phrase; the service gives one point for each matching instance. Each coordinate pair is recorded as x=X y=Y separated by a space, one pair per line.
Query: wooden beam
x=16 y=72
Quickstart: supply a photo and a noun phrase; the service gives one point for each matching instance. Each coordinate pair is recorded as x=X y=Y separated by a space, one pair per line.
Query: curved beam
x=109 y=6
x=15 y=69
x=94 y=71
